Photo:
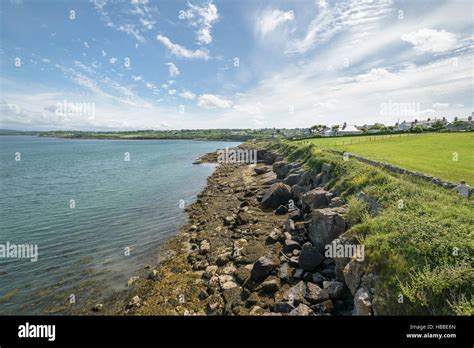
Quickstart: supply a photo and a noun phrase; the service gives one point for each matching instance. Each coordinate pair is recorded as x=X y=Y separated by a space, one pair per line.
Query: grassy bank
x=447 y=156
x=421 y=244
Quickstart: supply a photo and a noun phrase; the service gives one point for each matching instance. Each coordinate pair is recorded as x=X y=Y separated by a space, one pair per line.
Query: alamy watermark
x=400 y=108
x=75 y=109
x=234 y=156
x=19 y=251
x=334 y=250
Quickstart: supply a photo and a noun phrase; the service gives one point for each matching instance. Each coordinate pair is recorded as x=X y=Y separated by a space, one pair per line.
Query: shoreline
x=213 y=265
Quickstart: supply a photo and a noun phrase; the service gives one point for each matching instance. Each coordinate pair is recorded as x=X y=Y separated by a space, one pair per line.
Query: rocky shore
x=255 y=245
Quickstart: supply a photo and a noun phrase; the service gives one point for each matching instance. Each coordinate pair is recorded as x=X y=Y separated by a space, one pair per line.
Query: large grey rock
x=276 y=195
x=362 y=303
x=263 y=267
x=353 y=273
x=345 y=244
x=304 y=179
x=314 y=294
x=292 y=179
x=310 y=257
x=315 y=199
x=326 y=225
x=281 y=169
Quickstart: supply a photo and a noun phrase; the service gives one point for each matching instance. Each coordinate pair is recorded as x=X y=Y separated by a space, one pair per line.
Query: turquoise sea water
x=119 y=204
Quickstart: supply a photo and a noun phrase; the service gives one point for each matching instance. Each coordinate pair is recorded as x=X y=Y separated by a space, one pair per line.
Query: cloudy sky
x=170 y=64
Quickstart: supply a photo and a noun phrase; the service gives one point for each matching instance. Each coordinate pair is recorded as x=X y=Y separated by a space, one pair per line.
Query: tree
x=437 y=126
x=318 y=127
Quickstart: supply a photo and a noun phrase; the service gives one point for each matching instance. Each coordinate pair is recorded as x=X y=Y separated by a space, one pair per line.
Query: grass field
x=433 y=153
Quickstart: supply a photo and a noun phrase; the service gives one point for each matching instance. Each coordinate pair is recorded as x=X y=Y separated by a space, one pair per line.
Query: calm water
x=119 y=204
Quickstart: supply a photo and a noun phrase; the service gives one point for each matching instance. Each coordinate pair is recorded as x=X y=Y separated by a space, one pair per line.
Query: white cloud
x=172 y=91
x=360 y=17
x=187 y=95
x=180 y=51
x=431 y=40
x=212 y=101
x=440 y=105
x=269 y=20
x=131 y=30
x=113 y=60
x=148 y=24
x=173 y=69
x=137 y=77
x=202 y=17
x=150 y=85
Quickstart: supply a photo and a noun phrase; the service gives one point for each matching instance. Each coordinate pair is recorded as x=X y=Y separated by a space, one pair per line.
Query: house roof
x=349 y=128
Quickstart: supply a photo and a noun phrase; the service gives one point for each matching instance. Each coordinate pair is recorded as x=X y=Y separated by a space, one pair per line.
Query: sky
x=171 y=64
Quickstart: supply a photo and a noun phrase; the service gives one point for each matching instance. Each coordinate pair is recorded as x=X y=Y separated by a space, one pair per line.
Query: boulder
x=284 y=272
x=326 y=225
x=315 y=199
x=310 y=257
x=281 y=169
x=324 y=307
x=297 y=191
x=270 y=285
x=263 y=267
x=304 y=179
x=283 y=307
x=261 y=170
x=241 y=274
x=296 y=294
x=314 y=294
x=353 y=273
x=340 y=261
x=276 y=195
x=362 y=303
x=292 y=179
x=301 y=310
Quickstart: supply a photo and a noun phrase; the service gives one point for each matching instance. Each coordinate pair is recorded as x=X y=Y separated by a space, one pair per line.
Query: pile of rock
x=304 y=280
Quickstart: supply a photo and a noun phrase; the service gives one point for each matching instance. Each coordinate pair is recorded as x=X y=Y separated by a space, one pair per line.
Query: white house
x=347 y=129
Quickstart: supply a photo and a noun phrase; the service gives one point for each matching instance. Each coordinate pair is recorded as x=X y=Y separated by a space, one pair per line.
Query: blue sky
x=172 y=64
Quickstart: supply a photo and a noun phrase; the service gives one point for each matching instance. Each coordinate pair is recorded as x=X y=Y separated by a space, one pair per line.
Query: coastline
x=210 y=266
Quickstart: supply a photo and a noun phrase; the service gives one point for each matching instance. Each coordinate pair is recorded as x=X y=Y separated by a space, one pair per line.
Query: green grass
x=421 y=250
x=428 y=153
